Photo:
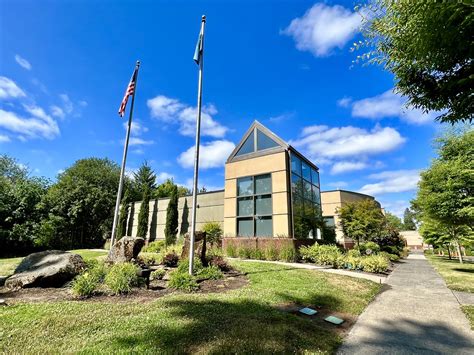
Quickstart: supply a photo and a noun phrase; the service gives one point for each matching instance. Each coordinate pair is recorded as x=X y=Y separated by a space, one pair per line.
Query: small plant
x=375 y=263
x=353 y=261
x=122 y=277
x=244 y=253
x=257 y=254
x=85 y=284
x=210 y=273
x=149 y=258
x=231 y=250
x=220 y=262
x=355 y=253
x=288 y=253
x=170 y=260
x=183 y=265
x=271 y=253
x=213 y=232
x=157 y=274
x=183 y=281
x=154 y=247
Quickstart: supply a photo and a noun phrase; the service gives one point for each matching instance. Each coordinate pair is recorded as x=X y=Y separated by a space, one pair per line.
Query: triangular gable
x=258 y=140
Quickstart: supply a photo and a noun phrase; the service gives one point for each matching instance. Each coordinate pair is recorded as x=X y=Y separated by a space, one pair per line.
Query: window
x=257 y=140
x=264 y=141
x=248 y=146
x=306 y=197
x=254 y=206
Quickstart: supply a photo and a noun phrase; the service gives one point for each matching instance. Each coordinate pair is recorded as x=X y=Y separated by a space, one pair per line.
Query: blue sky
x=64 y=66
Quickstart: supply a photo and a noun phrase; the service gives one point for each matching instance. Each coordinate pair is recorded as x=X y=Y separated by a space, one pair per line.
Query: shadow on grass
x=241 y=326
x=406 y=336
x=470 y=271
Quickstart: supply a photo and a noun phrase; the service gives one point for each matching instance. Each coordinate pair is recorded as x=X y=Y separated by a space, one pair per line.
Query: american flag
x=129 y=92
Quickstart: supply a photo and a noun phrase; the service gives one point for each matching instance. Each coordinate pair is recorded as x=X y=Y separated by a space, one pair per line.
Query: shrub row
x=270 y=252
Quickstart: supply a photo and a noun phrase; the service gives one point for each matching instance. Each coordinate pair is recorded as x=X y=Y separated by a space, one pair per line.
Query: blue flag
x=198 y=51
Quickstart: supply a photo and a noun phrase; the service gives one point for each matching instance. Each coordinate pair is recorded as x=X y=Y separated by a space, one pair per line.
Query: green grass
x=469 y=312
x=8 y=265
x=244 y=320
x=459 y=277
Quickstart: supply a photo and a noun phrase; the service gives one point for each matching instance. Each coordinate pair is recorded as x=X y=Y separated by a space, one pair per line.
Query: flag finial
x=138 y=63
x=203 y=18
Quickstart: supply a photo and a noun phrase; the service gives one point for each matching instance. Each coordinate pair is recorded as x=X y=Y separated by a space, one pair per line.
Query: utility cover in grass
x=308 y=311
x=334 y=320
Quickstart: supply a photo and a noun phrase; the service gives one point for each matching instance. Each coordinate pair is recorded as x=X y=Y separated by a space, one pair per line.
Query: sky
x=64 y=67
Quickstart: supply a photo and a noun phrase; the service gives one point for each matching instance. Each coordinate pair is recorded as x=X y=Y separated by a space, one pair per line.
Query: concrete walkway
x=416 y=314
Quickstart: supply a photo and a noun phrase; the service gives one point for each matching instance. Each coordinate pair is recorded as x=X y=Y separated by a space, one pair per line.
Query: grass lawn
x=7 y=266
x=469 y=311
x=244 y=320
x=459 y=277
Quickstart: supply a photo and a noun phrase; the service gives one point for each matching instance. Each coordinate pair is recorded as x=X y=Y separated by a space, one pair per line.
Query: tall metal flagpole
x=124 y=159
x=196 y=155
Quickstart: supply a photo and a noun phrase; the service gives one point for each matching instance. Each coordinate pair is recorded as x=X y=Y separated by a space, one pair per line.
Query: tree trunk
x=458 y=245
x=449 y=251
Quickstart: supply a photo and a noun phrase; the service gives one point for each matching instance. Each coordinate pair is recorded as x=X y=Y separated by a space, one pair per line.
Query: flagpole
x=196 y=155
x=124 y=159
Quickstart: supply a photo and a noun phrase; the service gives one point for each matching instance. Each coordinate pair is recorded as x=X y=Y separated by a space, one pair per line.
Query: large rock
x=199 y=246
x=125 y=250
x=51 y=268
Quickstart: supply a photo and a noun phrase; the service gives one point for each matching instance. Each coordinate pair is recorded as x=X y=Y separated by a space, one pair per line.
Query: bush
x=257 y=254
x=183 y=281
x=170 y=260
x=288 y=253
x=213 y=232
x=183 y=265
x=321 y=254
x=220 y=262
x=149 y=258
x=375 y=263
x=353 y=261
x=231 y=250
x=271 y=253
x=210 y=273
x=154 y=247
x=157 y=274
x=354 y=253
x=86 y=283
x=245 y=253
x=369 y=248
x=122 y=277
x=388 y=256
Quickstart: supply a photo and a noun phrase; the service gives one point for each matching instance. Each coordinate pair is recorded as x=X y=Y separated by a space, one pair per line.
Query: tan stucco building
x=270 y=190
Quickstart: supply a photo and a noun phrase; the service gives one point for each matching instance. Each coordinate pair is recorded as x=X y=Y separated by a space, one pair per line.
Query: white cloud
x=171 y=110
x=396 y=207
x=23 y=62
x=67 y=103
x=139 y=141
x=392 y=182
x=9 y=89
x=40 y=125
x=390 y=104
x=163 y=176
x=323 y=142
x=137 y=128
x=338 y=184
x=211 y=155
x=344 y=102
x=346 y=166
x=57 y=111
x=4 y=138
x=323 y=28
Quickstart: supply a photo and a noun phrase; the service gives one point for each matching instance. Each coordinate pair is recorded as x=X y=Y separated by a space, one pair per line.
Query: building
x=270 y=190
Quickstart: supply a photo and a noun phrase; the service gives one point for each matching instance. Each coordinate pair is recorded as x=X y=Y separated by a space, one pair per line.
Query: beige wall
x=210 y=209
x=275 y=164
x=413 y=238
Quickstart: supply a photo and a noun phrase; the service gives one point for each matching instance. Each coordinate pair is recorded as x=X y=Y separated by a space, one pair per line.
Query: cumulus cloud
x=211 y=155
x=4 y=138
x=323 y=28
x=57 y=111
x=171 y=110
x=163 y=176
x=67 y=103
x=323 y=142
x=22 y=62
x=136 y=132
x=139 y=141
x=38 y=125
x=137 y=128
x=346 y=166
x=390 y=104
x=9 y=89
x=392 y=182
x=338 y=184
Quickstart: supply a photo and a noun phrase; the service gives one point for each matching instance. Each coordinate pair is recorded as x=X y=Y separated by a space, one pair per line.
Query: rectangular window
x=314 y=177
x=295 y=164
x=316 y=194
x=254 y=206
x=308 y=193
x=296 y=185
x=306 y=171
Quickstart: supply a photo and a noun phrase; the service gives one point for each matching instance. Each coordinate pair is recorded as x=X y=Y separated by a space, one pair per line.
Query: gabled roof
x=257 y=141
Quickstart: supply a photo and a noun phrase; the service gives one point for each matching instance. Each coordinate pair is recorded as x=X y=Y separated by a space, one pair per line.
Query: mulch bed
x=232 y=280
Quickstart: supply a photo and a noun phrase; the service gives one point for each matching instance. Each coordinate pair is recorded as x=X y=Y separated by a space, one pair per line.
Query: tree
x=142 y=229
x=409 y=220
x=394 y=221
x=144 y=178
x=427 y=45
x=166 y=188
x=124 y=209
x=213 y=232
x=445 y=191
x=171 y=227
x=80 y=205
x=362 y=220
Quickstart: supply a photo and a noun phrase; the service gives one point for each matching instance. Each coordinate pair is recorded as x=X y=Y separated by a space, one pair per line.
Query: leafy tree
x=427 y=45
x=445 y=191
x=12 y=170
x=394 y=221
x=143 y=215
x=213 y=232
x=124 y=209
x=81 y=204
x=144 y=178
x=166 y=188
x=435 y=234
x=171 y=227
x=409 y=220
x=361 y=220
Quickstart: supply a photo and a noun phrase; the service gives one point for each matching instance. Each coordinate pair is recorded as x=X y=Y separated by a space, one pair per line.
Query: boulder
x=51 y=268
x=199 y=246
x=125 y=249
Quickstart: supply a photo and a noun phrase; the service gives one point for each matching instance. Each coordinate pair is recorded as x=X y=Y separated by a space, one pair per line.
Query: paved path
x=416 y=314
x=359 y=275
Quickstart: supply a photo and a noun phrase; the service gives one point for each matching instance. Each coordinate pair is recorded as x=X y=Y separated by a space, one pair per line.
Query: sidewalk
x=416 y=314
